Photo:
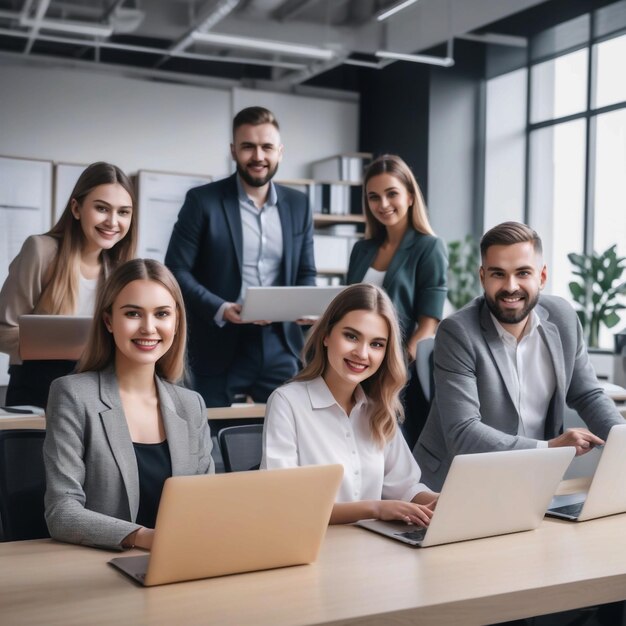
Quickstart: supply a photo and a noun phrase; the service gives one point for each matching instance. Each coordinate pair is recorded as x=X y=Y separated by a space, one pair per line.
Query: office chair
x=424 y=366
x=419 y=392
x=241 y=447
x=22 y=484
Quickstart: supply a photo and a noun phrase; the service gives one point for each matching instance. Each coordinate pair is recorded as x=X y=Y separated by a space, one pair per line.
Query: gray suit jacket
x=473 y=410
x=92 y=494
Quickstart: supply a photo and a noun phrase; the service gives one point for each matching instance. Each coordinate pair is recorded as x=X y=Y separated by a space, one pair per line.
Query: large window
x=574 y=151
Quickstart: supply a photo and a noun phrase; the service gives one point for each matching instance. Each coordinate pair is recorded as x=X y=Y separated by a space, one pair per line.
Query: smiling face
x=105 y=215
x=143 y=321
x=355 y=349
x=512 y=277
x=257 y=151
x=388 y=200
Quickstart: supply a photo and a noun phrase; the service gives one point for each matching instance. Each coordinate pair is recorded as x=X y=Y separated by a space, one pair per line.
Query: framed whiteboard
x=161 y=195
x=25 y=209
x=65 y=177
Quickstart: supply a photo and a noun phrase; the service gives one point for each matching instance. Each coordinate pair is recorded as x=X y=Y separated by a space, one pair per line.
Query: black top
x=155 y=465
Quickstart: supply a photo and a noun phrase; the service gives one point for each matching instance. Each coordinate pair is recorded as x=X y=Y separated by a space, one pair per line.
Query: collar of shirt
x=507 y=338
x=272 y=196
x=321 y=396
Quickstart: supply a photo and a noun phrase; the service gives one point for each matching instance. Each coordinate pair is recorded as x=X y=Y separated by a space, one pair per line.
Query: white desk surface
x=360 y=578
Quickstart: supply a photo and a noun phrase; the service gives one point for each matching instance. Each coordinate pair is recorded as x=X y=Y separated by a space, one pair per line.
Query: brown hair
x=508 y=233
x=384 y=386
x=396 y=167
x=254 y=116
x=100 y=350
x=61 y=291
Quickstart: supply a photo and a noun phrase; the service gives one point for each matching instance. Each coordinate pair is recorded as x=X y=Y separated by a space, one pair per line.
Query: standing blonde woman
x=118 y=429
x=343 y=408
x=402 y=254
x=58 y=273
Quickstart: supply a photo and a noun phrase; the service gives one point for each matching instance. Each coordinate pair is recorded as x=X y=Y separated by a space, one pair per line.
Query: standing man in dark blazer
x=508 y=364
x=232 y=234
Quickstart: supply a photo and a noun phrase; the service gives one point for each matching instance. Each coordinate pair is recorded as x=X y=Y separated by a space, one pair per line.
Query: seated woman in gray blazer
x=120 y=427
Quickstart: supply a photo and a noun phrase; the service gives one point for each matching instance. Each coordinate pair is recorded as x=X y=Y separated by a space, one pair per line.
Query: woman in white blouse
x=343 y=408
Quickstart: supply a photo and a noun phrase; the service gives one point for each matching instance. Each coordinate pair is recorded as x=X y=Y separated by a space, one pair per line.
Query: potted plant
x=598 y=291
x=463 y=263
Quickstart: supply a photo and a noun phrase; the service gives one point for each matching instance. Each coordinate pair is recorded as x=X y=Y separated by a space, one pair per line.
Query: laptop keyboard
x=569 y=509
x=414 y=535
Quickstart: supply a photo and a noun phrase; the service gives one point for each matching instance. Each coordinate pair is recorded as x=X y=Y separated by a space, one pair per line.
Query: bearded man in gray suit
x=507 y=364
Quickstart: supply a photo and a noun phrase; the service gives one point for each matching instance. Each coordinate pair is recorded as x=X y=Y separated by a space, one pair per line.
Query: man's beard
x=505 y=316
x=253 y=181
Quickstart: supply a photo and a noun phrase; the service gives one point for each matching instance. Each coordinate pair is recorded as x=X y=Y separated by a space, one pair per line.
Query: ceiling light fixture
x=416 y=58
x=75 y=28
x=264 y=45
x=383 y=15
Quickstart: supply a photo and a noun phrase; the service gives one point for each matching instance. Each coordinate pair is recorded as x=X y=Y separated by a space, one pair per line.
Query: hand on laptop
x=583 y=440
x=141 y=538
x=232 y=314
x=412 y=512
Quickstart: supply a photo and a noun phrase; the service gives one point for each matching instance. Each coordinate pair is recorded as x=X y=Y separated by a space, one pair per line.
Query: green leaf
x=610 y=320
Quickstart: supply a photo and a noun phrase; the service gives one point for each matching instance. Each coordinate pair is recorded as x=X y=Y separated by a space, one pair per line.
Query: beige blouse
x=23 y=287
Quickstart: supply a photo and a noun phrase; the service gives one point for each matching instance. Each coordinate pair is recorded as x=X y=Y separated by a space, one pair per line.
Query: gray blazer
x=92 y=494
x=473 y=409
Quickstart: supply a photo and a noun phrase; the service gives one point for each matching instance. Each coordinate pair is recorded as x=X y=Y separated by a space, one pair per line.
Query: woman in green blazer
x=402 y=254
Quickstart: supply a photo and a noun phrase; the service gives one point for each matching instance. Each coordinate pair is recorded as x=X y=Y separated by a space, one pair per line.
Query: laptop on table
x=607 y=491
x=47 y=337
x=212 y=525
x=486 y=494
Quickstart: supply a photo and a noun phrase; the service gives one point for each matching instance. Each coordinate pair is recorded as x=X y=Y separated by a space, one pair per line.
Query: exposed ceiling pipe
x=447 y=61
x=42 y=7
x=144 y=49
x=206 y=22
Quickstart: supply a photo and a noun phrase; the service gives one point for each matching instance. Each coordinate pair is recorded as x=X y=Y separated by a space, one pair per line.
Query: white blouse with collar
x=304 y=425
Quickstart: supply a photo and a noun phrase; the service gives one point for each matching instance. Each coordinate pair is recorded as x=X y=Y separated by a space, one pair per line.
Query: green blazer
x=415 y=280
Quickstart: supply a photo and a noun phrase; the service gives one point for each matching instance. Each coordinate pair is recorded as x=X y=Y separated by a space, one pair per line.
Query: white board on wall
x=65 y=177
x=161 y=195
x=311 y=128
x=25 y=209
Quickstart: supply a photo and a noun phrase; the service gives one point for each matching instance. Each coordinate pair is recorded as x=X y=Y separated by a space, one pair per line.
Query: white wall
x=76 y=116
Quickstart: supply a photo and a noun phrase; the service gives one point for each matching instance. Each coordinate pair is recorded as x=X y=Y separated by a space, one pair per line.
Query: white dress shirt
x=262 y=241
x=532 y=372
x=304 y=425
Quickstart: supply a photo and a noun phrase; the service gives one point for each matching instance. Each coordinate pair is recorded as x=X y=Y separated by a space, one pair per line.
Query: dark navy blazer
x=205 y=255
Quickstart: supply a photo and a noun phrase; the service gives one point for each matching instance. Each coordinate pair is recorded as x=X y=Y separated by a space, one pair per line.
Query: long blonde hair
x=384 y=386
x=60 y=294
x=100 y=350
x=396 y=167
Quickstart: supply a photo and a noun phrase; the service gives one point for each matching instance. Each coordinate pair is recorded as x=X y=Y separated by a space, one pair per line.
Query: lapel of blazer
x=230 y=200
x=176 y=430
x=286 y=222
x=397 y=261
x=496 y=347
x=364 y=262
x=552 y=337
x=118 y=435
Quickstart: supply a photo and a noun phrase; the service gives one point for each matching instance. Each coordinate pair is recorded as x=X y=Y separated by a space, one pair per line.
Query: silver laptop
x=212 y=525
x=286 y=304
x=491 y=493
x=607 y=491
x=46 y=337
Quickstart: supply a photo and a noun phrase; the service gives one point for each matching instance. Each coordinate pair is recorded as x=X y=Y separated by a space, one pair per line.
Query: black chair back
x=22 y=484
x=241 y=447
